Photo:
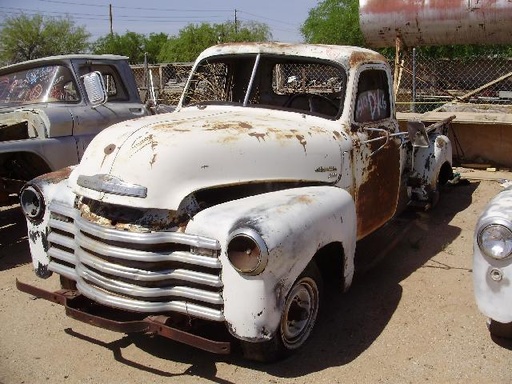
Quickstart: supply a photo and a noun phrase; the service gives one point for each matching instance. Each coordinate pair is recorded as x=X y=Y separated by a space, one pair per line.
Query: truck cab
x=48 y=116
x=234 y=210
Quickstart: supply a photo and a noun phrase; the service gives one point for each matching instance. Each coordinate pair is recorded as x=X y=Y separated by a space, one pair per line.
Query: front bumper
x=83 y=309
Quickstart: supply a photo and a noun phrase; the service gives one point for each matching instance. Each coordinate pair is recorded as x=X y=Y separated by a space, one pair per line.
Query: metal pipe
x=435 y=22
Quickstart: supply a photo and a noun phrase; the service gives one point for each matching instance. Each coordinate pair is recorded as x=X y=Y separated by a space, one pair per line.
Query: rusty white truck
x=51 y=108
x=220 y=223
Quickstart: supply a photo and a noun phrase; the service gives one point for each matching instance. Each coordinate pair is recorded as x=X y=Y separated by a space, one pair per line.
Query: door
x=376 y=156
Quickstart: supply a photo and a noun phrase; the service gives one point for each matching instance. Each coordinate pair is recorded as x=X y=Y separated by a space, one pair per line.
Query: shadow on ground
x=14 y=249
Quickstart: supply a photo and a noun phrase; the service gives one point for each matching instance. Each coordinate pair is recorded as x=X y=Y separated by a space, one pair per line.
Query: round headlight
x=495 y=240
x=32 y=203
x=247 y=252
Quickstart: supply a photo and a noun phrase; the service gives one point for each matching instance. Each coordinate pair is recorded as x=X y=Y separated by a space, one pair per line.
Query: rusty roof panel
x=435 y=22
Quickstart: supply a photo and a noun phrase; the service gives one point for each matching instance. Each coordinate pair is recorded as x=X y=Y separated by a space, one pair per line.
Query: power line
x=178 y=16
x=136 y=8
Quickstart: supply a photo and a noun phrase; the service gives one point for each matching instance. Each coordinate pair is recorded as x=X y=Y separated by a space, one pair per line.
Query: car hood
x=155 y=162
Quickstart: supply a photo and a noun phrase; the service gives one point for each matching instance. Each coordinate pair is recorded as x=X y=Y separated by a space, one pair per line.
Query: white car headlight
x=32 y=203
x=247 y=252
x=495 y=240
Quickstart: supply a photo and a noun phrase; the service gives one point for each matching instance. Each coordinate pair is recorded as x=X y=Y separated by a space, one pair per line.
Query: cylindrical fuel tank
x=435 y=22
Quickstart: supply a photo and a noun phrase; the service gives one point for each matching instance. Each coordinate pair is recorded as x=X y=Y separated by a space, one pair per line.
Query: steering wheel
x=310 y=98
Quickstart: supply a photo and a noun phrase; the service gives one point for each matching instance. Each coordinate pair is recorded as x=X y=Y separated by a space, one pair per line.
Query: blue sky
x=284 y=18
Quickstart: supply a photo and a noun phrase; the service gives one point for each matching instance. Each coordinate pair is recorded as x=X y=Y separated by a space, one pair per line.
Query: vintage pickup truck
x=51 y=108
x=492 y=263
x=233 y=211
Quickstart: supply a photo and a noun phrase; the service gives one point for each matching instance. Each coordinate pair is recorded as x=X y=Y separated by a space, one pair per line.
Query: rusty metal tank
x=435 y=22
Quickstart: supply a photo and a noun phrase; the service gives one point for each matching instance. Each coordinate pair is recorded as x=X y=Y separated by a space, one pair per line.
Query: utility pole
x=236 y=24
x=110 y=16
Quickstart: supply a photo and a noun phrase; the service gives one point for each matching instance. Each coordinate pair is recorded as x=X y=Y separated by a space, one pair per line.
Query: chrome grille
x=144 y=272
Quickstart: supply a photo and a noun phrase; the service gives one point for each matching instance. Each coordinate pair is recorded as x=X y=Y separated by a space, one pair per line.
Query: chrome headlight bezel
x=247 y=252
x=32 y=203
x=494 y=239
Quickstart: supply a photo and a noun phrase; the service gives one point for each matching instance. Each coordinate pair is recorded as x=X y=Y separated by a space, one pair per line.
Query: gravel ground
x=409 y=319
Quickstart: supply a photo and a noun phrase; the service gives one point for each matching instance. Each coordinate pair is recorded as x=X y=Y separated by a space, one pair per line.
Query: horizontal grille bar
x=111 y=234
x=141 y=275
x=137 y=291
x=183 y=307
x=150 y=272
x=137 y=255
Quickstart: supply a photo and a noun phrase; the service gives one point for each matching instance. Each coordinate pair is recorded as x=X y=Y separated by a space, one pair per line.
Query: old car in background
x=51 y=108
x=492 y=263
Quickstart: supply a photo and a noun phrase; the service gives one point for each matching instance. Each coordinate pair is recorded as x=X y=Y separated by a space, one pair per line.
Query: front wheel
x=299 y=316
x=500 y=329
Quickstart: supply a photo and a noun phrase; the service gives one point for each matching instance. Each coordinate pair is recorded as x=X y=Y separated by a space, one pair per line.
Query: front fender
x=53 y=186
x=294 y=224
x=492 y=278
x=427 y=162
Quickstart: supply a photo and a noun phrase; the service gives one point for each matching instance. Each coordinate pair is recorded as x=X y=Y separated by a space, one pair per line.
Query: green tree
x=333 y=22
x=465 y=51
x=153 y=45
x=30 y=37
x=130 y=44
x=193 y=39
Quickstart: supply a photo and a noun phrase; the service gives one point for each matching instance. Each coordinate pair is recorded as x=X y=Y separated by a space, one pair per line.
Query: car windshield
x=285 y=82
x=48 y=84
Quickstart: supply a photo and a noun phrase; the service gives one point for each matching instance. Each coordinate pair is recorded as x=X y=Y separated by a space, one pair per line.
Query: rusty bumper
x=80 y=308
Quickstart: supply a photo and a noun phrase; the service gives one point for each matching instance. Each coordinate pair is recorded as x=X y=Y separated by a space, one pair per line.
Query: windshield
x=49 y=84
x=296 y=83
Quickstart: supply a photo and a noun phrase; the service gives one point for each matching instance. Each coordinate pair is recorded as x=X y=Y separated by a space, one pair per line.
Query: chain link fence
x=167 y=81
x=424 y=83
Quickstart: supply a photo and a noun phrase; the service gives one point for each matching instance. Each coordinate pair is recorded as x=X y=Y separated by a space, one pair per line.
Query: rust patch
x=55 y=177
x=302 y=199
x=357 y=58
x=227 y=125
x=109 y=149
x=258 y=135
x=302 y=141
x=145 y=142
x=337 y=135
x=377 y=195
x=406 y=7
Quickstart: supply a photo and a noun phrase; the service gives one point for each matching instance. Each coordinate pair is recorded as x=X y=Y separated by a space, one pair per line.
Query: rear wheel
x=299 y=316
x=445 y=174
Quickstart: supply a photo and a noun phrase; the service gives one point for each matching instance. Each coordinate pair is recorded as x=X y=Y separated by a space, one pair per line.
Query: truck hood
x=155 y=162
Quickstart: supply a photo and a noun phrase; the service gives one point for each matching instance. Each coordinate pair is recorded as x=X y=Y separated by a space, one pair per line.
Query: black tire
x=299 y=316
x=445 y=174
x=500 y=329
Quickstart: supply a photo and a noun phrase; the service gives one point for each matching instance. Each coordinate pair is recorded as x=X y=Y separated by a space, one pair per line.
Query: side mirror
x=417 y=134
x=95 y=88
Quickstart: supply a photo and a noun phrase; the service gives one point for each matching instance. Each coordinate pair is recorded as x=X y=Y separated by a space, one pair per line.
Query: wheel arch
x=21 y=166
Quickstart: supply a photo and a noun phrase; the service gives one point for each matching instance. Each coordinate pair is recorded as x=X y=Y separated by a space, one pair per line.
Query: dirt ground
x=411 y=318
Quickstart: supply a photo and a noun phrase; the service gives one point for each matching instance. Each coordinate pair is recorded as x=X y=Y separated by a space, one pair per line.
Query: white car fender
x=294 y=224
x=492 y=278
x=54 y=187
x=428 y=163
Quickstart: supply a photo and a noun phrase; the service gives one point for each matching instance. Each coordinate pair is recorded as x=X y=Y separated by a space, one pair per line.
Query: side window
x=372 y=100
